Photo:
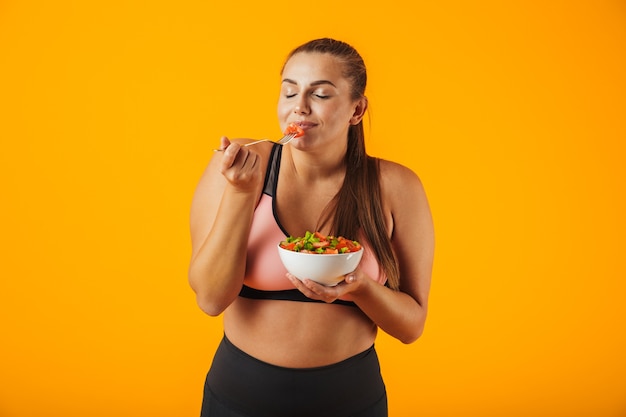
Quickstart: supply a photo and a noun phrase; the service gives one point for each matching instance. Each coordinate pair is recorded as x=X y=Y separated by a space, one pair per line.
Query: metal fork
x=282 y=141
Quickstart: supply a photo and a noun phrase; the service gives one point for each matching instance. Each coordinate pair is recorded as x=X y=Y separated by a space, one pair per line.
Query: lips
x=305 y=125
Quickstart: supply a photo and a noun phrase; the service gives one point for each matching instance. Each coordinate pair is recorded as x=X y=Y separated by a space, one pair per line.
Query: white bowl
x=327 y=269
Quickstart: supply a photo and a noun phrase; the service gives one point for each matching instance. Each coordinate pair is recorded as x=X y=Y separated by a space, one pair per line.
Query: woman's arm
x=220 y=221
x=402 y=314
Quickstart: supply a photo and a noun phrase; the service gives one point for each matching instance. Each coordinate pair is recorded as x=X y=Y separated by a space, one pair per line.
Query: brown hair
x=360 y=192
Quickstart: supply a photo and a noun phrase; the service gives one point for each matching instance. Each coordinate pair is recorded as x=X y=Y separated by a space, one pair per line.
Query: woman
x=291 y=347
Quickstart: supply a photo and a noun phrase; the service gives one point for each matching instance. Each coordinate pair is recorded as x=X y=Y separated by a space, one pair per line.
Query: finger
x=301 y=285
x=224 y=142
x=295 y=281
x=245 y=162
x=230 y=155
x=320 y=292
x=246 y=157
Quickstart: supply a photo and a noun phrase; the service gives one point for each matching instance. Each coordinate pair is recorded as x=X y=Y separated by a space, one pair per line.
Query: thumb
x=224 y=142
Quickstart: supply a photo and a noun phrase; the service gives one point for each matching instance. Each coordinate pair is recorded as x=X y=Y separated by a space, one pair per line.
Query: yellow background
x=513 y=114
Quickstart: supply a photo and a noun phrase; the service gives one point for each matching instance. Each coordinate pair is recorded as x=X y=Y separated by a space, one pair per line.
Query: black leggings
x=239 y=385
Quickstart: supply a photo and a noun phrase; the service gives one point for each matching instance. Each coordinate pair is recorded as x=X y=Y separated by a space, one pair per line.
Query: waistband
x=258 y=388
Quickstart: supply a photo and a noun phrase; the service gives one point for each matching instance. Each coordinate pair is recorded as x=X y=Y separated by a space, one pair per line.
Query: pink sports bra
x=265 y=274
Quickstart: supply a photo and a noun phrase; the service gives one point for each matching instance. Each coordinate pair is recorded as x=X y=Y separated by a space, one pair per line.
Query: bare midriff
x=297 y=334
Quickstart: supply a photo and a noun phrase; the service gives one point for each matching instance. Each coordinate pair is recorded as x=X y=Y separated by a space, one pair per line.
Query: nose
x=301 y=107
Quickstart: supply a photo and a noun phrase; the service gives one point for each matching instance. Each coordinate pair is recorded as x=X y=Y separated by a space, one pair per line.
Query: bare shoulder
x=388 y=167
x=398 y=179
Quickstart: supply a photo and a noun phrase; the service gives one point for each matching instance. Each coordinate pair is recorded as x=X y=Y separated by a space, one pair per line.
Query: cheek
x=338 y=115
x=282 y=110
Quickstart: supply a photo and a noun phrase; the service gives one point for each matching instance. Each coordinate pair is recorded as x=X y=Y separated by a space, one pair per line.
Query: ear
x=359 y=111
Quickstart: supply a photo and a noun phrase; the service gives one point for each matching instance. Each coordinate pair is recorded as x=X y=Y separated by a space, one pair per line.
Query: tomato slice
x=294 y=128
x=288 y=246
x=350 y=245
x=319 y=236
x=321 y=244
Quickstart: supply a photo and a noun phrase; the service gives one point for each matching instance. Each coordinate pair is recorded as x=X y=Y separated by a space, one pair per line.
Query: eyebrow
x=314 y=83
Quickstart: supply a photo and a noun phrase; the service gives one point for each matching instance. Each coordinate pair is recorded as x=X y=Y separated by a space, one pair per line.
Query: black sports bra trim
x=273 y=166
x=286 y=295
x=271 y=182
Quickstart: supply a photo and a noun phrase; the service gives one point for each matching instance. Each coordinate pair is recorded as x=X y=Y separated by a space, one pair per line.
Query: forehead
x=307 y=67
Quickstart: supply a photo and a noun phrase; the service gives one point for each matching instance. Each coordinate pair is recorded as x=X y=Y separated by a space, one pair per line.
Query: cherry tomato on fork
x=294 y=128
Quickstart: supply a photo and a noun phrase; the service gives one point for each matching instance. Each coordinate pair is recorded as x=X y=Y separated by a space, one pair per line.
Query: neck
x=315 y=166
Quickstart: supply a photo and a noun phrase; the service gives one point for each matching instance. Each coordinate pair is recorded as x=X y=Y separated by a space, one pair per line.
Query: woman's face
x=315 y=95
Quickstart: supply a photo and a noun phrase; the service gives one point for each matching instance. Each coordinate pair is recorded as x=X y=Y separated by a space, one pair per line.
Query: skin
x=315 y=94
